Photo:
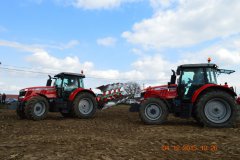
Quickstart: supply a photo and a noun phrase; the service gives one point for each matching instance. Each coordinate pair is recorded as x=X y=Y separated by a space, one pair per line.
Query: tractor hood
x=27 y=93
x=163 y=87
x=164 y=91
x=39 y=88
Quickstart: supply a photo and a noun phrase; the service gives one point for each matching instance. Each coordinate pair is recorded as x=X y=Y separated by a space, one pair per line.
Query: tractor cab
x=65 y=83
x=194 y=76
x=196 y=94
x=66 y=95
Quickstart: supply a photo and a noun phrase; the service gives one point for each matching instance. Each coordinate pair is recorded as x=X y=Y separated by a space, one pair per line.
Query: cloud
x=227 y=56
x=94 y=4
x=187 y=23
x=40 y=57
x=39 y=47
x=137 y=51
x=9 y=88
x=60 y=46
x=224 y=53
x=71 y=44
x=142 y=69
x=107 y=41
x=17 y=45
x=155 y=68
x=67 y=64
x=41 y=61
x=161 y=4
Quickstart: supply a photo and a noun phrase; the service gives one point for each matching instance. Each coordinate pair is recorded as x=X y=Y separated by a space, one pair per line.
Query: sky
x=115 y=40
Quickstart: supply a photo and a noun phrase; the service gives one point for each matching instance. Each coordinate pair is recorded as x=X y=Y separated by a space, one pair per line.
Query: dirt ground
x=115 y=134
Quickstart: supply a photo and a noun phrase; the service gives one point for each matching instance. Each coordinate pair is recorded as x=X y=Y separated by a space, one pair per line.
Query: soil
x=116 y=134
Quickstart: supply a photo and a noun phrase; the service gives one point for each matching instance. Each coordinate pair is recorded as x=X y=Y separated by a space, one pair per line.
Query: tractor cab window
x=81 y=83
x=70 y=83
x=58 y=83
x=191 y=79
x=211 y=75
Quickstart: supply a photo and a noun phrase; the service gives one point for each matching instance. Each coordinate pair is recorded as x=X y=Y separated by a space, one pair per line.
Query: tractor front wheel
x=153 y=111
x=84 y=105
x=36 y=108
x=216 y=109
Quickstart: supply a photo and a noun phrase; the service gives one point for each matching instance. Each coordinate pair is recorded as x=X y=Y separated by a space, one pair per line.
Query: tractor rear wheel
x=20 y=112
x=84 y=105
x=36 y=108
x=153 y=111
x=216 y=109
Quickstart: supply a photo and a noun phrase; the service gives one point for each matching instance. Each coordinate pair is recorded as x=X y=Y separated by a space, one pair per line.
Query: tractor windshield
x=211 y=75
x=58 y=82
x=69 y=82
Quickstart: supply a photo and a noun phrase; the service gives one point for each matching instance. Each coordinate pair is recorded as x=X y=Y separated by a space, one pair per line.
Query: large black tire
x=36 y=108
x=216 y=109
x=84 y=105
x=153 y=111
x=20 y=112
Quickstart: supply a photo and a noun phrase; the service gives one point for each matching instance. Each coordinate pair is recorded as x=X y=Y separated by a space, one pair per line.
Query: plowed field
x=113 y=134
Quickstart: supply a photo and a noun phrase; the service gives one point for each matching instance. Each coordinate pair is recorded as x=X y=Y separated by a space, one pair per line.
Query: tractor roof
x=204 y=65
x=200 y=65
x=62 y=74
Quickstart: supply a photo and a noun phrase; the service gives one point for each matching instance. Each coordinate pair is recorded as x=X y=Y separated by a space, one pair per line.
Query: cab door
x=191 y=79
x=69 y=85
x=58 y=84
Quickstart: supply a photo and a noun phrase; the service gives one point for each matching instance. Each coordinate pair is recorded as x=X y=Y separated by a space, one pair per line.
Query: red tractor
x=196 y=95
x=67 y=96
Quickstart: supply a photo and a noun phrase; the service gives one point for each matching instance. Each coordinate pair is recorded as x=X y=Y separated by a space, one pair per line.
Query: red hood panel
x=162 y=87
x=40 y=88
x=164 y=91
x=48 y=91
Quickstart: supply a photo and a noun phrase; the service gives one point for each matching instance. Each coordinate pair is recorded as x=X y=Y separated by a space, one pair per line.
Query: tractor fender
x=208 y=87
x=80 y=90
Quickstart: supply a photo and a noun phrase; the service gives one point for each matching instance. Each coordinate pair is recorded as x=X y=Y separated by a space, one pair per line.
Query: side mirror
x=49 y=81
x=173 y=78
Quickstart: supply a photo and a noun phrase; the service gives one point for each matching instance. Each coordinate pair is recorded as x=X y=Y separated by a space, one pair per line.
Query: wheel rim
x=217 y=110
x=153 y=111
x=39 y=109
x=85 y=106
